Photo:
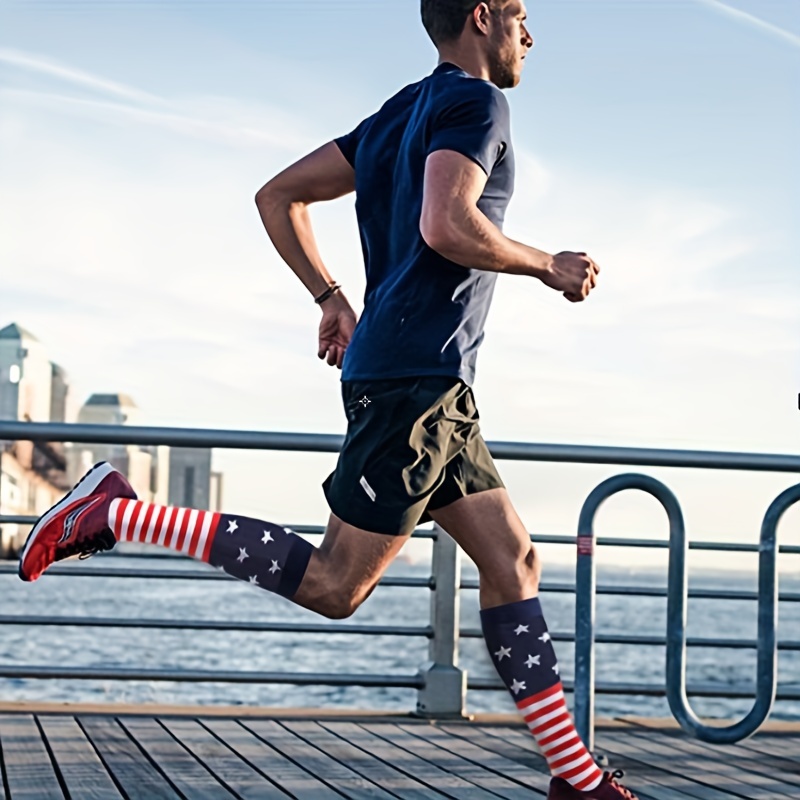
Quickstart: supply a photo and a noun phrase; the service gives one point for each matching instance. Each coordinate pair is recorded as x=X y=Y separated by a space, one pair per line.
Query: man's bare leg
x=345 y=569
x=490 y=531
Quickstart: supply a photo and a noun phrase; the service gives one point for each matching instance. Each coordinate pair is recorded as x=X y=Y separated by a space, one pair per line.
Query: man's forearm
x=472 y=240
x=289 y=227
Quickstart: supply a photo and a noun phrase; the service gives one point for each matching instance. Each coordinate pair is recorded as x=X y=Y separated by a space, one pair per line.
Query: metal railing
x=441 y=684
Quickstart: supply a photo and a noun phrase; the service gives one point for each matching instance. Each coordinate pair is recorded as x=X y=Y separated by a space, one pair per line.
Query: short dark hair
x=444 y=20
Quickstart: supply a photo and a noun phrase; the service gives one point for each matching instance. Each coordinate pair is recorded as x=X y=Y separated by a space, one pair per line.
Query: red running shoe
x=608 y=789
x=76 y=525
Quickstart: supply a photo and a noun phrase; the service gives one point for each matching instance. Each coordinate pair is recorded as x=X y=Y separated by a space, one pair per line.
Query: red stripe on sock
x=148 y=515
x=132 y=522
x=573 y=773
x=182 y=531
x=562 y=717
x=212 y=532
x=116 y=523
x=555 y=737
x=159 y=522
x=592 y=779
x=559 y=760
x=537 y=698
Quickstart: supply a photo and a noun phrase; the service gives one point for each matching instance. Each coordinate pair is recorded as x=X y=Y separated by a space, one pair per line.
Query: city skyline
x=641 y=138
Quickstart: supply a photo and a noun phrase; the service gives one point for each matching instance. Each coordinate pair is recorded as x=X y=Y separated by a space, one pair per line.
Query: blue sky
x=658 y=136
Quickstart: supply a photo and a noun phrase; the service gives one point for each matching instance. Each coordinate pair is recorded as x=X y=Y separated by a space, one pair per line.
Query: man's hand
x=336 y=329
x=573 y=274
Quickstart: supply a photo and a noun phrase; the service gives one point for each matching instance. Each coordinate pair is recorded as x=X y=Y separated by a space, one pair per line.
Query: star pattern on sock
x=275 y=567
x=544 y=638
x=242 y=555
x=253 y=580
x=233 y=526
x=517 y=686
x=503 y=652
x=521 y=629
x=533 y=661
x=267 y=538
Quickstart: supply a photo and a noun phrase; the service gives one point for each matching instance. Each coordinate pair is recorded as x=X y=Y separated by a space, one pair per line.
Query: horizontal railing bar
x=401 y=582
x=326 y=443
x=651 y=689
x=650 y=591
x=311 y=530
x=655 y=641
x=537 y=538
x=208 y=676
x=193 y=574
x=219 y=625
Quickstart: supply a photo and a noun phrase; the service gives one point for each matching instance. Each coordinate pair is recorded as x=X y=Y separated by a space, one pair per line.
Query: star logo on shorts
x=365 y=401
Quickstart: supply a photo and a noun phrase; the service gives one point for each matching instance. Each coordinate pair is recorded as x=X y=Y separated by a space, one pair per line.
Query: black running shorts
x=412 y=445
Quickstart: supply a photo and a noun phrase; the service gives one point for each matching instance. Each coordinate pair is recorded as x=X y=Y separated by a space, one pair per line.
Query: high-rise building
x=61 y=397
x=26 y=376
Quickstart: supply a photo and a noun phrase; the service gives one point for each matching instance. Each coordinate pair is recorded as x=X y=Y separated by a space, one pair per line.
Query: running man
x=433 y=172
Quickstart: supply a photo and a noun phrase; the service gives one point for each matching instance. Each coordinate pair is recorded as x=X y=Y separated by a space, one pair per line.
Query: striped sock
x=523 y=655
x=260 y=553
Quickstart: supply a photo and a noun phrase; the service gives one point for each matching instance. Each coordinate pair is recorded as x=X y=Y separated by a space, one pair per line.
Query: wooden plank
x=364 y=761
x=395 y=750
x=441 y=769
x=131 y=768
x=404 y=761
x=645 y=770
x=182 y=769
x=704 y=768
x=506 y=778
x=783 y=747
x=300 y=784
x=765 y=762
x=81 y=769
x=338 y=776
x=524 y=750
x=30 y=771
x=224 y=763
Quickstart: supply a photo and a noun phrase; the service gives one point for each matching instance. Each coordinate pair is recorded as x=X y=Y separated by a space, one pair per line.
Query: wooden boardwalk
x=50 y=753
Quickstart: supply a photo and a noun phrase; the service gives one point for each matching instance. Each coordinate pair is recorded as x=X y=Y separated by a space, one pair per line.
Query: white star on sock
x=232 y=526
x=521 y=629
x=274 y=568
x=242 y=555
x=267 y=538
x=545 y=637
x=503 y=652
x=517 y=686
x=556 y=669
x=253 y=580
x=533 y=660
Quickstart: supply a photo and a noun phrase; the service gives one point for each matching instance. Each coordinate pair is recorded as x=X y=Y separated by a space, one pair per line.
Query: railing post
x=585 y=613
x=444 y=691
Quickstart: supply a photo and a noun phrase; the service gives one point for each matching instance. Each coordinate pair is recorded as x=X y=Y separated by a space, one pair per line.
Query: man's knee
x=340 y=602
x=517 y=573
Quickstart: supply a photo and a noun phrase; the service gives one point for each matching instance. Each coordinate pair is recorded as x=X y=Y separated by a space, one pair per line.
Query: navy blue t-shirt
x=423 y=314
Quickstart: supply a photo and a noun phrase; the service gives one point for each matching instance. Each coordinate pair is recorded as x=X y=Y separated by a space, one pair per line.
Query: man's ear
x=480 y=18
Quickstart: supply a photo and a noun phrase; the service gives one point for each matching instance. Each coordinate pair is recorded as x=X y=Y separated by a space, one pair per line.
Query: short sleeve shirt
x=423 y=314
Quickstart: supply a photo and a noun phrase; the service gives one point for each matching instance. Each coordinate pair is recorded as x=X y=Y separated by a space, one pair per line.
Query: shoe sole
x=83 y=488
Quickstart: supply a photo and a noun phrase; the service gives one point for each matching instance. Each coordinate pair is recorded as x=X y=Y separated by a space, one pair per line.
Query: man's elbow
x=267 y=196
x=439 y=235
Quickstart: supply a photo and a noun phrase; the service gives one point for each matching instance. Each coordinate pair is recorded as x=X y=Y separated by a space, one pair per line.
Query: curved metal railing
x=677 y=596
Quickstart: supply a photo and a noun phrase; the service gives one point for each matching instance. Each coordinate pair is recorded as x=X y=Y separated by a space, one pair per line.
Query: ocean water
x=281 y=652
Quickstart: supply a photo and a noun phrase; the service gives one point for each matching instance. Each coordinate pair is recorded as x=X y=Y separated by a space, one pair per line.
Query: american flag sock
x=260 y=553
x=521 y=650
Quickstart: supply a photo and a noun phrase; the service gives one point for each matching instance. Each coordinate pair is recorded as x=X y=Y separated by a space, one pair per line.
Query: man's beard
x=502 y=71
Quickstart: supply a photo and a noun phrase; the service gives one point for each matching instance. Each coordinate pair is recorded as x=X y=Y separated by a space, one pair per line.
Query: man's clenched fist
x=573 y=274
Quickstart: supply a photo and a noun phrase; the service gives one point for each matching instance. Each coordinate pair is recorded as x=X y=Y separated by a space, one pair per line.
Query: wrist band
x=329 y=292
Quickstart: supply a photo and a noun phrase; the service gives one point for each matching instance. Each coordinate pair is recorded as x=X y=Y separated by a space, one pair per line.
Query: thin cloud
x=176 y=123
x=756 y=22
x=36 y=63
